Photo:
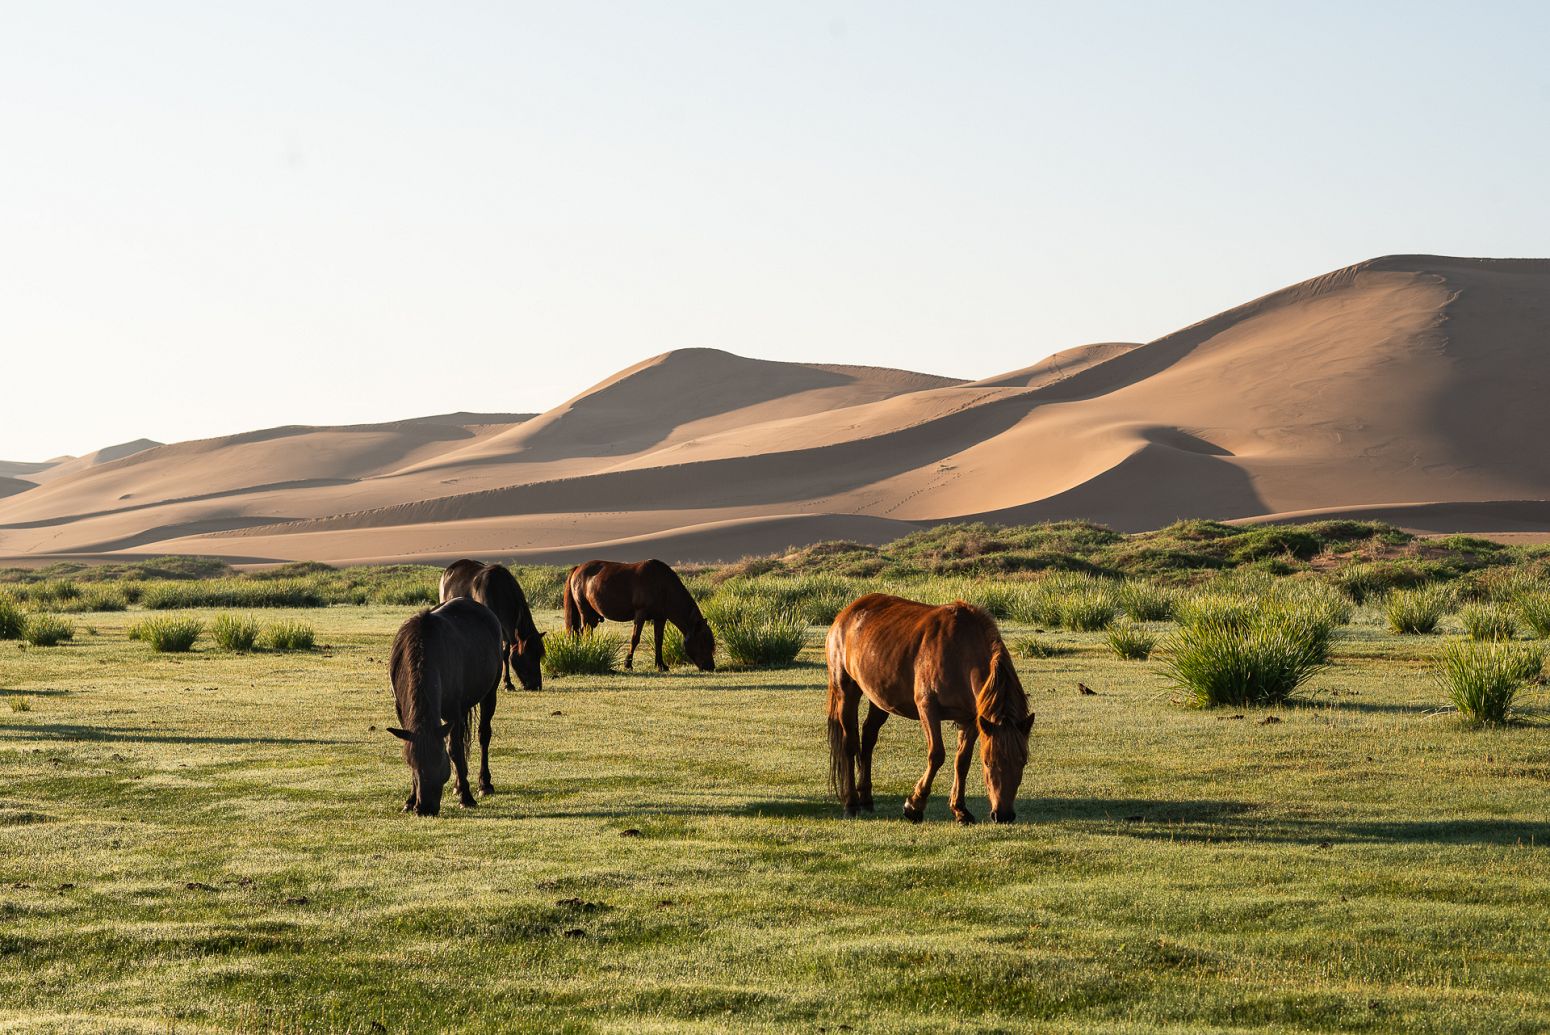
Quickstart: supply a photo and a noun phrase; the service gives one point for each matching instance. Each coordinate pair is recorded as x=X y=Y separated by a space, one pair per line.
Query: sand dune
x=1408 y=386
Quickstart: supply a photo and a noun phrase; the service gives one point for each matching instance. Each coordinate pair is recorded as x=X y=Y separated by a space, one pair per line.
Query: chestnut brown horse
x=641 y=592
x=444 y=662
x=493 y=585
x=925 y=663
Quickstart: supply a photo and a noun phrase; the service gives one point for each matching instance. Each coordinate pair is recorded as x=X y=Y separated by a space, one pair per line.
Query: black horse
x=522 y=645
x=444 y=662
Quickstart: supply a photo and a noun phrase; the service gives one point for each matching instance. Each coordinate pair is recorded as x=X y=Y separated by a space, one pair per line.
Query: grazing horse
x=647 y=590
x=444 y=662
x=927 y=663
x=493 y=585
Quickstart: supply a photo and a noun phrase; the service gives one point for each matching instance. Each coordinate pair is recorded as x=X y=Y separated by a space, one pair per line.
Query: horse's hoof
x=662 y=668
x=486 y=789
x=467 y=800
x=966 y=818
x=913 y=814
x=509 y=686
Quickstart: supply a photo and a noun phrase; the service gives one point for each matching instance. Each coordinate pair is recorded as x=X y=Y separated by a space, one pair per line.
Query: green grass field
x=212 y=842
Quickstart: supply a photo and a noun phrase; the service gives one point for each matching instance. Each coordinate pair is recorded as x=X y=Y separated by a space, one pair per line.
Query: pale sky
x=220 y=216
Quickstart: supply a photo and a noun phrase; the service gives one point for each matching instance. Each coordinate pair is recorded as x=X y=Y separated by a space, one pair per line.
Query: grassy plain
x=211 y=842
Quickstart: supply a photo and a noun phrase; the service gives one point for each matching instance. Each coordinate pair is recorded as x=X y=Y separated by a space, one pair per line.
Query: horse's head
x=425 y=751
x=527 y=660
x=1005 y=754
x=700 y=645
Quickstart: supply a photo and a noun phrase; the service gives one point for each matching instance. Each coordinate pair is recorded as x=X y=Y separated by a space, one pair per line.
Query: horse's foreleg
x=936 y=754
x=629 y=659
x=457 y=747
x=657 y=627
x=486 y=713
x=966 y=737
x=506 y=662
x=875 y=717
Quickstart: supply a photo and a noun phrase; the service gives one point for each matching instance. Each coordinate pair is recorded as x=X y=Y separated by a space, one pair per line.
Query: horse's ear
x=542 y=635
x=446 y=728
x=988 y=727
x=1026 y=724
x=400 y=734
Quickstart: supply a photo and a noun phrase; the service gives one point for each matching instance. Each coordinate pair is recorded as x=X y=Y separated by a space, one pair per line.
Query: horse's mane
x=1001 y=698
x=409 y=659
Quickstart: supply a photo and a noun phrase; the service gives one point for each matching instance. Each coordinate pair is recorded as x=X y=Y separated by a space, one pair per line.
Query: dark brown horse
x=522 y=645
x=642 y=592
x=930 y=664
x=444 y=662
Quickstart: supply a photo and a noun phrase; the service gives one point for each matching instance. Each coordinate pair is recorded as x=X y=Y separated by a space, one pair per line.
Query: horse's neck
x=682 y=611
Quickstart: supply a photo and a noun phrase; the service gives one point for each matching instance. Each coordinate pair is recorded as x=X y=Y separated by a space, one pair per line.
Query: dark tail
x=571 y=607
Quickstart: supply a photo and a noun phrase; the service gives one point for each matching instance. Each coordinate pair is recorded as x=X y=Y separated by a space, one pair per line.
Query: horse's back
x=467 y=646
x=888 y=645
x=497 y=588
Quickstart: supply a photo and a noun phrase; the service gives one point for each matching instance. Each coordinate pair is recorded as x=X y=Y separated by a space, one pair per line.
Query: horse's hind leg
x=875 y=717
x=936 y=754
x=457 y=747
x=506 y=662
x=848 y=713
x=486 y=713
x=966 y=736
x=657 y=628
x=629 y=659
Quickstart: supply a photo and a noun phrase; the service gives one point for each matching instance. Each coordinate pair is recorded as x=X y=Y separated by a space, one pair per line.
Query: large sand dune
x=1408 y=387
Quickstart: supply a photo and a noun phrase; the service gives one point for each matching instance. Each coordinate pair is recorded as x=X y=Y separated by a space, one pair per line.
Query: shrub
x=11 y=618
x=1129 y=641
x=46 y=630
x=1087 y=610
x=1534 y=609
x=167 y=634
x=234 y=632
x=756 y=636
x=1145 y=601
x=289 y=635
x=1220 y=662
x=1033 y=647
x=1488 y=622
x=1415 y=612
x=1483 y=679
x=582 y=654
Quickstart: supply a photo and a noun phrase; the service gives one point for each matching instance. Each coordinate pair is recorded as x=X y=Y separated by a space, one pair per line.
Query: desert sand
x=1408 y=389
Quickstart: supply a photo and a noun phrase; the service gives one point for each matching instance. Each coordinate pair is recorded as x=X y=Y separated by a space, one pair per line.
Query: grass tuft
x=755 y=636
x=1033 y=647
x=234 y=632
x=167 y=634
x=12 y=620
x=1484 y=678
x=1488 y=621
x=1222 y=662
x=583 y=654
x=46 y=630
x=1534 y=609
x=1129 y=641
x=1416 y=612
x=289 y=635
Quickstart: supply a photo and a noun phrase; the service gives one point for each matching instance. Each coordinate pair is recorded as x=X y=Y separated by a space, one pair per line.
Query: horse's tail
x=572 y=607
x=842 y=775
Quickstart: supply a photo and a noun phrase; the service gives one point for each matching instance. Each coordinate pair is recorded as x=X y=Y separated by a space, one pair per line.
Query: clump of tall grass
x=1484 y=678
x=1089 y=609
x=1145 y=601
x=1416 y=612
x=756 y=636
x=1215 y=607
x=542 y=584
x=1225 y=659
x=582 y=654
x=1534 y=609
x=11 y=618
x=1488 y=622
x=49 y=594
x=167 y=634
x=811 y=599
x=1033 y=647
x=233 y=592
x=97 y=599
x=1315 y=596
x=673 y=653
x=46 y=630
x=1129 y=641
x=289 y=635
x=234 y=632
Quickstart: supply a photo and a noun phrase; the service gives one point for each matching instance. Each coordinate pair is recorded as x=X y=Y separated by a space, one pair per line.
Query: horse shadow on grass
x=69 y=731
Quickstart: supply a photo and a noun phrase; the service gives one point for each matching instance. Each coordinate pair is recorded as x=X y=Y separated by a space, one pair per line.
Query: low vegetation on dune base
x=46 y=630
x=1483 y=677
x=596 y=653
x=167 y=634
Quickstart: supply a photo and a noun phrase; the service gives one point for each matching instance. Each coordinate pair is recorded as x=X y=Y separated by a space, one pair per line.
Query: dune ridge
x=1405 y=385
